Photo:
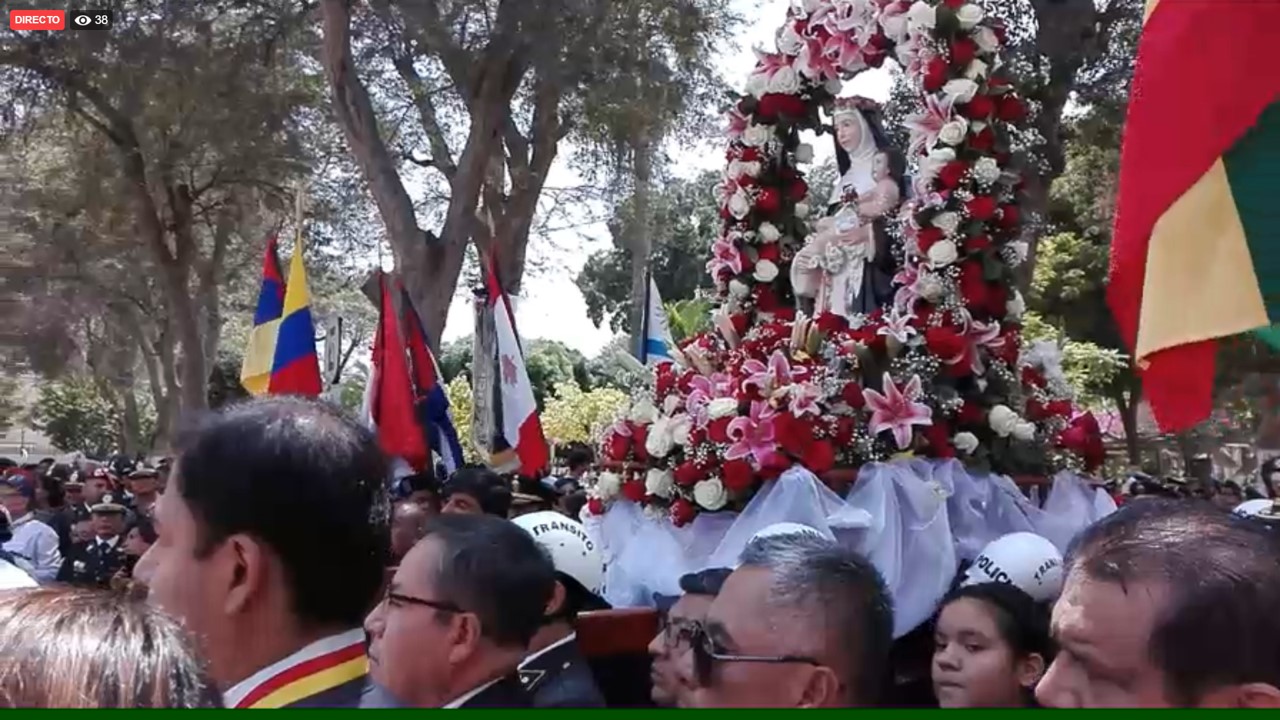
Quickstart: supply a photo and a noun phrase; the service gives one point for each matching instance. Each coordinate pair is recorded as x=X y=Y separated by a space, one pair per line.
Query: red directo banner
x=37 y=19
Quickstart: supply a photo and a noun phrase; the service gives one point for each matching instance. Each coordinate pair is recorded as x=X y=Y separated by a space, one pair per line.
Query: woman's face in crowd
x=134 y=544
x=973 y=666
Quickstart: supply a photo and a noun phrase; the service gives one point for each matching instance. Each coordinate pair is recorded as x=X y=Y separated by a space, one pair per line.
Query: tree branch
x=443 y=158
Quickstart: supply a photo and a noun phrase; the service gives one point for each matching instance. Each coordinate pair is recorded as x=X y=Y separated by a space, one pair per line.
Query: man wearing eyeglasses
x=671 y=681
x=458 y=616
x=801 y=623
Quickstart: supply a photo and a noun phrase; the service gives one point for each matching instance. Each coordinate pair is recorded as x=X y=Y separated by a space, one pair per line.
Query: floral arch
x=941 y=371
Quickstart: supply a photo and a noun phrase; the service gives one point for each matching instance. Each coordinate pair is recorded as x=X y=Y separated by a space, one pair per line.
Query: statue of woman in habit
x=846 y=266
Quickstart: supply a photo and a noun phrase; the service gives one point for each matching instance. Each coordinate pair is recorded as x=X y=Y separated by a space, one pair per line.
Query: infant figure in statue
x=846 y=266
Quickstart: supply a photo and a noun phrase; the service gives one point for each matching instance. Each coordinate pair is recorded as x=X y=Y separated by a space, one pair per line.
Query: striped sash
x=309 y=678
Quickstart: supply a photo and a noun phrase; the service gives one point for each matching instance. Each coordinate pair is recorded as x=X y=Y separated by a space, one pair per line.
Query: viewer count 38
x=47 y=20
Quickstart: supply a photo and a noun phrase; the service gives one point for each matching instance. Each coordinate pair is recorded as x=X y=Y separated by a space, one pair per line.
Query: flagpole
x=643 y=351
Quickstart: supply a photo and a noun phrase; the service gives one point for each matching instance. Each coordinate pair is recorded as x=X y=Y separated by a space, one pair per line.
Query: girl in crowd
x=137 y=541
x=82 y=649
x=991 y=646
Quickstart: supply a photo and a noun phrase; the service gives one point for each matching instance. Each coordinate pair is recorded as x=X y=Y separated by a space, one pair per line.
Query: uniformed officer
x=93 y=563
x=555 y=673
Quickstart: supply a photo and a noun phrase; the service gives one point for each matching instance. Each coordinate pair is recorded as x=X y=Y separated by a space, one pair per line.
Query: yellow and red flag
x=1195 y=252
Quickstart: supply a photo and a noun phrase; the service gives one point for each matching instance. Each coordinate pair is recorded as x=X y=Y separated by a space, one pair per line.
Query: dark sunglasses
x=706 y=655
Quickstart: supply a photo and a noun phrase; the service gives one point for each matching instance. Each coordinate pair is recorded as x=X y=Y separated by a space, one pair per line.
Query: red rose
x=983 y=140
x=845 y=426
x=973 y=287
x=977 y=242
x=682 y=512
x=1011 y=108
x=935 y=75
x=945 y=342
x=793 y=434
x=954 y=4
x=664 y=379
x=769 y=201
x=1084 y=438
x=831 y=323
x=938 y=435
x=1033 y=377
x=766 y=299
x=718 y=430
x=633 y=490
x=1009 y=217
x=687 y=474
x=982 y=207
x=640 y=435
x=768 y=252
x=927 y=237
x=595 y=506
x=852 y=396
x=616 y=447
x=979 y=108
x=819 y=457
x=952 y=173
x=775 y=105
x=880 y=41
x=740 y=323
x=1060 y=408
x=738 y=475
x=963 y=51
x=750 y=154
x=1035 y=410
x=798 y=191
x=971 y=413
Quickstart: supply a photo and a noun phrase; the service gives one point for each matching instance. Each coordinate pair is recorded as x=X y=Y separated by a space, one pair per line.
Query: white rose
x=734 y=170
x=1003 y=420
x=921 y=16
x=969 y=15
x=757 y=135
x=660 y=483
x=643 y=412
x=785 y=81
x=750 y=169
x=986 y=40
x=1024 y=431
x=710 y=494
x=739 y=204
x=965 y=442
x=1018 y=251
x=768 y=233
x=895 y=26
x=942 y=156
x=930 y=288
x=672 y=404
x=804 y=154
x=660 y=442
x=802 y=210
x=766 y=271
x=681 y=426
x=953 y=133
x=1016 y=306
x=947 y=222
x=721 y=408
x=834 y=86
x=738 y=289
x=757 y=85
x=986 y=170
x=943 y=253
x=608 y=485
x=960 y=89
x=977 y=69
x=789 y=41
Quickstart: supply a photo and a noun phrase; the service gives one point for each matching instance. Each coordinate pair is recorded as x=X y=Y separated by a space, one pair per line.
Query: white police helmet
x=1259 y=509
x=572 y=552
x=1022 y=559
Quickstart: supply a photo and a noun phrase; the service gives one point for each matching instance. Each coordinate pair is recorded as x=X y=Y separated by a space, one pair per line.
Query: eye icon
x=83 y=20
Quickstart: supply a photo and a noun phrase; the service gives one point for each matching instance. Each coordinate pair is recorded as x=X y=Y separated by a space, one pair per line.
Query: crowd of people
x=274 y=564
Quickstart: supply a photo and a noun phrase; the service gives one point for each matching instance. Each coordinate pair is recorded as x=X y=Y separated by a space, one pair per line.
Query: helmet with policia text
x=574 y=554
x=1261 y=509
x=1025 y=560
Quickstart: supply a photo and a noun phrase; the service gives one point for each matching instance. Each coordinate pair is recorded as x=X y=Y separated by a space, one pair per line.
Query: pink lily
x=925 y=126
x=767 y=63
x=804 y=399
x=907 y=295
x=724 y=254
x=737 y=123
x=777 y=374
x=815 y=64
x=846 y=51
x=752 y=436
x=898 y=411
x=898 y=326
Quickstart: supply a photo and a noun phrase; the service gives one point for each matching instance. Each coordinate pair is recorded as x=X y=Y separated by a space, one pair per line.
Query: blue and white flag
x=657 y=345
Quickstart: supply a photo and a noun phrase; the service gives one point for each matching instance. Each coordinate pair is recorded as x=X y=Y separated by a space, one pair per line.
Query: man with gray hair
x=803 y=622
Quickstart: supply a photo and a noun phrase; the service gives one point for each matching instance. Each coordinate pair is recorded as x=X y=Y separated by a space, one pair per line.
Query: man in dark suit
x=92 y=564
x=458 y=615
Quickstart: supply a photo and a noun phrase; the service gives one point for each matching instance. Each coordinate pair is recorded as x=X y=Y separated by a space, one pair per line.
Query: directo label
x=37 y=19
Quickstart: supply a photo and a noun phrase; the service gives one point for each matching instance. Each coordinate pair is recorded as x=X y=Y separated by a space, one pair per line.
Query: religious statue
x=846 y=266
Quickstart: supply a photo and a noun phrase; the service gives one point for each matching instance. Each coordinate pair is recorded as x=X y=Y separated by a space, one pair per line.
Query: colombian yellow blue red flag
x=260 y=354
x=295 y=369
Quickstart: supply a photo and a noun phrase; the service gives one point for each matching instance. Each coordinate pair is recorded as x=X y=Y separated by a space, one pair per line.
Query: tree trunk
x=1128 y=399
x=638 y=240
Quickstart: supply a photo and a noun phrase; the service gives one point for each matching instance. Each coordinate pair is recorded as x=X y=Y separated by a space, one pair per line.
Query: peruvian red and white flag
x=520 y=427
